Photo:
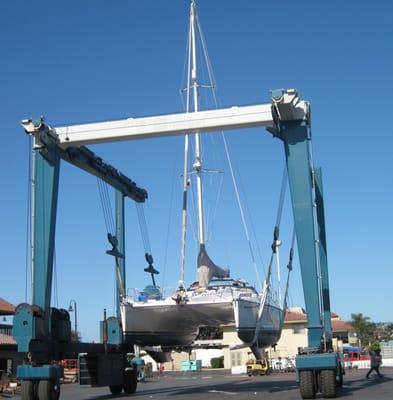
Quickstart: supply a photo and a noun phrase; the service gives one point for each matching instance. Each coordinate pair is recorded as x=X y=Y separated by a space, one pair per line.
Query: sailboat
x=215 y=300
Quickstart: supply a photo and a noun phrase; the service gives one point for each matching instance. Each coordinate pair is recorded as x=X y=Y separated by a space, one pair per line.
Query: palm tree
x=364 y=328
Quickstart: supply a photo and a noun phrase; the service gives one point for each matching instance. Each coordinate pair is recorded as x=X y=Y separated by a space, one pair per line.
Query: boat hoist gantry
x=44 y=332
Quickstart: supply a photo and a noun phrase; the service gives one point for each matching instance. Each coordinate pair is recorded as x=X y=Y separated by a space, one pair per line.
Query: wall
x=292 y=337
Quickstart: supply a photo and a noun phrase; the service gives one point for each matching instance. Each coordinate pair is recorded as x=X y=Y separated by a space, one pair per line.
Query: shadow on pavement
x=355 y=385
x=234 y=387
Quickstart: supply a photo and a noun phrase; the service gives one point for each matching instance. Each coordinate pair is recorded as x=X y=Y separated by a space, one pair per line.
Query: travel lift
x=44 y=332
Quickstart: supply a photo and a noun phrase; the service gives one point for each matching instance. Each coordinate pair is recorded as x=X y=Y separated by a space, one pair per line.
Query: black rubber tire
x=130 y=381
x=307 y=384
x=27 y=390
x=340 y=378
x=328 y=383
x=115 y=389
x=47 y=390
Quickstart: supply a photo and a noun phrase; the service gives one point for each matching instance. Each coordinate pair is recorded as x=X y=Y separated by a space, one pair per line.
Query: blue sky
x=95 y=60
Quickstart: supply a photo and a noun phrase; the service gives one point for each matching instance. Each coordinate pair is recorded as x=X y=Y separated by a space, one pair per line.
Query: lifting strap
x=146 y=242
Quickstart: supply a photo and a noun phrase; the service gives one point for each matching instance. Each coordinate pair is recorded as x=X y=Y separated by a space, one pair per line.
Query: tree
x=364 y=328
x=75 y=336
x=384 y=331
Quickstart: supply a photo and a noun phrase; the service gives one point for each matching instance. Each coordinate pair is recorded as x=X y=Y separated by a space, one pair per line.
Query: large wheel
x=115 y=389
x=47 y=390
x=328 y=383
x=307 y=384
x=28 y=390
x=340 y=378
x=130 y=381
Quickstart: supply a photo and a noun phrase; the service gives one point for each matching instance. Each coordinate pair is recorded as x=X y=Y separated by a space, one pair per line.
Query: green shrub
x=374 y=346
x=217 y=362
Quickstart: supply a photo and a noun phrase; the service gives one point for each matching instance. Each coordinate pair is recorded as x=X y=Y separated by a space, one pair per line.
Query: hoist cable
x=282 y=196
x=143 y=227
x=289 y=266
x=103 y=207
x=106 y=207
x=109 y=207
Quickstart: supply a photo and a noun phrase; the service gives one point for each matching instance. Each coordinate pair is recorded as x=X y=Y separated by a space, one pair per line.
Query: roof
x=6 y=308
x=6 y=339
x=341 y=326
x=297 y=314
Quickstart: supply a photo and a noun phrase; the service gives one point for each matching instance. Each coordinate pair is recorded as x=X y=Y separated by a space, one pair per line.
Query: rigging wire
x=168 y=226
x=241 y=210
x=234 y=182
x=210 y=223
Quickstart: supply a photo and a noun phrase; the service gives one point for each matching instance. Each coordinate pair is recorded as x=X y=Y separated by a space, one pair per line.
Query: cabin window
x=236 y=358
x=298 y=329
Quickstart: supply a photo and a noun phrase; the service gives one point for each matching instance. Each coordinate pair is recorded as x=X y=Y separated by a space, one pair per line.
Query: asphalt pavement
x=211 y=385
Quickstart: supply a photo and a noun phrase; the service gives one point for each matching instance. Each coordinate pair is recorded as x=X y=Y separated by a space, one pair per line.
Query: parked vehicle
x=257 y=367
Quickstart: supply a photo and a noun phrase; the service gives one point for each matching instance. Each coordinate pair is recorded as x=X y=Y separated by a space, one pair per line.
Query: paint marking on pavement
x=222 y=392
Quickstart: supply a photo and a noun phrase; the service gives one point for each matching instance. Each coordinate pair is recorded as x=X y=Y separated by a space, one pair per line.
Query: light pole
x=74 y=309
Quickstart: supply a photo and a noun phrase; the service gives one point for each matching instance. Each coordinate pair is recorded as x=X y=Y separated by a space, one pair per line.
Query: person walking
x=375 y=361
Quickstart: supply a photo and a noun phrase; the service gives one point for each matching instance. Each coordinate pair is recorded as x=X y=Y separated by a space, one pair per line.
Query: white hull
x=269 y=327
x=168 y=324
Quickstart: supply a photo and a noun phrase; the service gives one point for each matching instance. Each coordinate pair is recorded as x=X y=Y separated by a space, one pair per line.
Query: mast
x=192 y=84
x=185 y=169
x=206 y=268
x=197 y=166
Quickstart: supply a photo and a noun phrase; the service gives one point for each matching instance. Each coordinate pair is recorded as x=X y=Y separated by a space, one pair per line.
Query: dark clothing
x=375 y=361
x=376 y=369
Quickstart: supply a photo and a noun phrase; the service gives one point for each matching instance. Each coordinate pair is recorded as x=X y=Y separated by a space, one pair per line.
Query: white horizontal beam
x=165 y=125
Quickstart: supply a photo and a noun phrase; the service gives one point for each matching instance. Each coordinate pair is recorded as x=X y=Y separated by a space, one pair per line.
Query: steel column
x=295 y=135
x=47 y=167
x=323 y=257
x=120 y=262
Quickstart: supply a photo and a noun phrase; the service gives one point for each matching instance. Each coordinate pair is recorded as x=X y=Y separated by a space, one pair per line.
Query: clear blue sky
x=80 y=61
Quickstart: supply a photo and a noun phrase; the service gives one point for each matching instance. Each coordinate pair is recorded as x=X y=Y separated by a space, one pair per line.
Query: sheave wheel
x=27 y=390
x=47 y=390
x=115 y=389
x=328 y=383
x=307 y=384
x=130 y=381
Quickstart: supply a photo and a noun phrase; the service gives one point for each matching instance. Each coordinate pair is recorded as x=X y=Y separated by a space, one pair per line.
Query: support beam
x=158 y=126
x=46 y=140
x=120 y=262
x=166 y=125
x=323 y=258
x=47 y=167
x=296 y=141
